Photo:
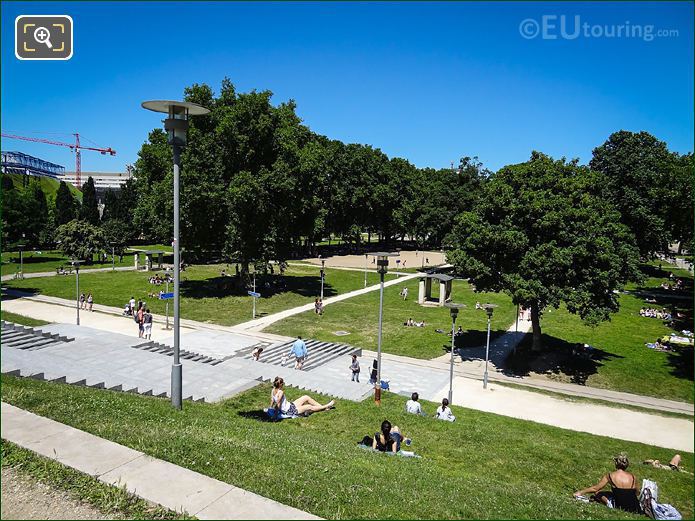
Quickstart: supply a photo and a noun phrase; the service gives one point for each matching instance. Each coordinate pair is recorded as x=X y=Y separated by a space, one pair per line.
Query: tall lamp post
x=382 y=263
x=176 y=125
x=366 y=259
x=21 y=256
x=489 y=308
x=76 y=264
x=113 y=256
x=323 y=275
x=454 y=311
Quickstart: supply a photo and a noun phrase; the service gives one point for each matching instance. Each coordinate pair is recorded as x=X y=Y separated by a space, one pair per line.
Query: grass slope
x=482 y=466
x=205 y=295
x=359 y=316
x=21 y=319
x=48 y=185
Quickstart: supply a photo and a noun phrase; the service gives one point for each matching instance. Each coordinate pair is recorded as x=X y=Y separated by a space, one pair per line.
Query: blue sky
x=427 y=82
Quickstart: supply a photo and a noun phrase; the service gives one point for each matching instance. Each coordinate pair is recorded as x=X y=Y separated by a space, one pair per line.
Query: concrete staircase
x=163 y=349
x=17 y=336
x=319 y=353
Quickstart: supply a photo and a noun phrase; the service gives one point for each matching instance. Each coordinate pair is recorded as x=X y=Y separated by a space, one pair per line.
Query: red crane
x=75 y=147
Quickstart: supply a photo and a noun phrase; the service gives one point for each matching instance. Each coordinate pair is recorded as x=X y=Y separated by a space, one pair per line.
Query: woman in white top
x=302 y=405
x=413 y=406
x=444 y=412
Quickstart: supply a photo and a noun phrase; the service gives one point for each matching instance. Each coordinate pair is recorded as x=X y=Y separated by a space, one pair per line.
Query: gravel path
x=24 y=498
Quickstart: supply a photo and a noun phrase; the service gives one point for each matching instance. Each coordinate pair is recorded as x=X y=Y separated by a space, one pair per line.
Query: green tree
x=679 y=216
x=542 y=233
x=637 y=167
x=116 y=235
x=66 y=206
x=80 y=240
x=89 y=211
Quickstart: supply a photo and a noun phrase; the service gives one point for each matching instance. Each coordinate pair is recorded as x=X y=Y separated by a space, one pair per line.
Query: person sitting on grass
x=444 y=412
x=623 y=492
x=413 y=406
x=389 y=439
x=302 y=405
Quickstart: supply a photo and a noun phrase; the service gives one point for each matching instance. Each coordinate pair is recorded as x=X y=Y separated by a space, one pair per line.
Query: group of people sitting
x=661 y=314
x=157 y=280
x=443 y=412
x=624 y=493
x=412 y=323
x=673 y=286
x=659 y=345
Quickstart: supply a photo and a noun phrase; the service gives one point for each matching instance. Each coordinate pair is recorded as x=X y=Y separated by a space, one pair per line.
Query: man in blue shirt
x=299 y=351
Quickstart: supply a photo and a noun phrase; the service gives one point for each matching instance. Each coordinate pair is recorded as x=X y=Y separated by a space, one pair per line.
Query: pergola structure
x=149 y=258
x=425 y=289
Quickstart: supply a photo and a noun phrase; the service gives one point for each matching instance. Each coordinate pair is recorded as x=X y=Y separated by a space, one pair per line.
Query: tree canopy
x=542 y=232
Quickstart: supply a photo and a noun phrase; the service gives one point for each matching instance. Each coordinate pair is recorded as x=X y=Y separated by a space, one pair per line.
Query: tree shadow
x=681 y=362
x=558 y=357
x=12 y=294
x=266 y=285
x=35 y=260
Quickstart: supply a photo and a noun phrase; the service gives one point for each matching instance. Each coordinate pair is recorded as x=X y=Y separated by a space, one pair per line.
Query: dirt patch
x=412 y=259
x=24 y=498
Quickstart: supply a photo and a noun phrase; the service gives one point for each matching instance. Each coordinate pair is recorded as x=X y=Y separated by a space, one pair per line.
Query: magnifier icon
x=43 y=35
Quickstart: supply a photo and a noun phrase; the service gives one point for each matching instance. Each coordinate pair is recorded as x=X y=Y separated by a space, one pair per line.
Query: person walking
x=405 y=293
x=320 y=311
x=131 y=303
x=90 y=302
x=147 y=320
x=140 y=319
x=355 y=368
x=300 y=353
x=82 y=301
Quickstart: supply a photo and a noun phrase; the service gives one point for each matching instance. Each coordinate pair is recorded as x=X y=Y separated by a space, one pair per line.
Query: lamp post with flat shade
x=366 y=258
x=454 y=311
x=176 y=125
x=76 y=264
x=489 y=308
x=323 y=275
x=382 y=263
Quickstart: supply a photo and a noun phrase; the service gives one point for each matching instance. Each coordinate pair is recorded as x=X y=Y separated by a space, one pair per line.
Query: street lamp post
x=454 y=311
x=366 y=259
x=489 y=308
x=21 y=257
x=382 y=262
x=176 y=125
x=76 y=264
x=323 y=275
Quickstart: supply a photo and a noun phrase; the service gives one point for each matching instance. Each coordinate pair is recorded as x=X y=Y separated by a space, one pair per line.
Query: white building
x=103 y=181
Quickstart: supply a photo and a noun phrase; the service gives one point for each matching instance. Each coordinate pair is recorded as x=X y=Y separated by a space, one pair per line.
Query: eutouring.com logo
x=563 y=27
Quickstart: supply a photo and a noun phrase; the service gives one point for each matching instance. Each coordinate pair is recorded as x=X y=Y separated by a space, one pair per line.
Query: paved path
x=263 y=322
x=624 y=424
x=152 y=479
x=54 y=274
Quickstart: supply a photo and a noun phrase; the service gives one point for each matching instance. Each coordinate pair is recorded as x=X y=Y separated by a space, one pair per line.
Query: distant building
x=103 y=181
x=19 y=163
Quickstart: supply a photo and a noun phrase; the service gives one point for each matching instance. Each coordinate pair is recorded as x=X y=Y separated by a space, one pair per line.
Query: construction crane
x=75 y=147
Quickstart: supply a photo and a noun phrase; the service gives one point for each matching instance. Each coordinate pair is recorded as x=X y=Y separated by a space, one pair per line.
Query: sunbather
x=302 y=405
x=389 y=439
x=623 y=493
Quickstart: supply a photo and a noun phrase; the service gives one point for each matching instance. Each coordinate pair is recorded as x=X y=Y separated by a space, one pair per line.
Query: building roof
x=441 y=277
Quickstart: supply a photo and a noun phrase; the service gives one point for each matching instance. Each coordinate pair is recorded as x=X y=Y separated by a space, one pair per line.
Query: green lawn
x=48 y=185
x=205 y=295
x=21 y=319
x=359 y=317
x=623 y=362
x=48 y=260
x=468 y=469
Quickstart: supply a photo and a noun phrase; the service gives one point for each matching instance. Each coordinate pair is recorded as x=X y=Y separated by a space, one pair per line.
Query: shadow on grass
x=12 y=293
x=35 y=260
x=258 y=415
x=558 y=357
x=267 y=286
x=681 y=362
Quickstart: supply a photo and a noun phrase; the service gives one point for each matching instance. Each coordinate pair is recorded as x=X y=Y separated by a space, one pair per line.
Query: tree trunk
x=680 y=247
x=369 y=236
x=536 y=327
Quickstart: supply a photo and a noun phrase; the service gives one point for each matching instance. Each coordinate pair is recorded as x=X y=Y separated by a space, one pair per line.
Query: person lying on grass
x=674 y=464
x=389 y=439
x=302 y=405
x=623 y=493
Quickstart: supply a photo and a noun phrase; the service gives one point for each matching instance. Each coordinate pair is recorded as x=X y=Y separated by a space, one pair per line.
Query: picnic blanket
x=403 y=453
x=275 y=416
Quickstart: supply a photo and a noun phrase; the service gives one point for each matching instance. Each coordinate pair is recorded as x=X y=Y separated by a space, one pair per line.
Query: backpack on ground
x=648 y=501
